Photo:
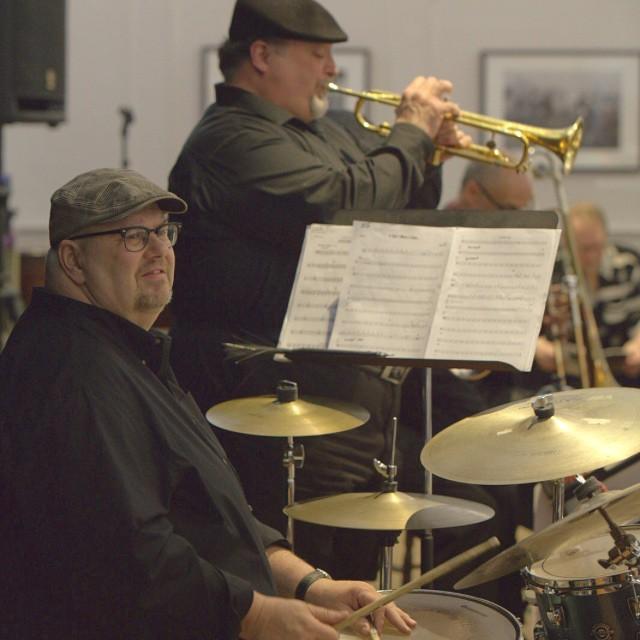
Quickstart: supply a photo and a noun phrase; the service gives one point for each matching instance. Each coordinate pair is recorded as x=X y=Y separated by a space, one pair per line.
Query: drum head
x=442 y=615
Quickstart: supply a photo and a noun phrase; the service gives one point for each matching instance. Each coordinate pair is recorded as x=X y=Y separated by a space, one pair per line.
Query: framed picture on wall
x=552 y=88
x=353 y=66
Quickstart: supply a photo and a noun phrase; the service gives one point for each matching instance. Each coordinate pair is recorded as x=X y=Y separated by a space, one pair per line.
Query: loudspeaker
x=32 y=61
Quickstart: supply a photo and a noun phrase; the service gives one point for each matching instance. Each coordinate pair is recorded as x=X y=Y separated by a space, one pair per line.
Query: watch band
x=308 y=580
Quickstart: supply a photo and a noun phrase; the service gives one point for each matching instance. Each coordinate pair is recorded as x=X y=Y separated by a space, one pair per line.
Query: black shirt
x=121 y=516
x=254 y=178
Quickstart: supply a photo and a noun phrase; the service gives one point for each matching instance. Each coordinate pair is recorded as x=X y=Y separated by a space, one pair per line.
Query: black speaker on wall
x=32 y=61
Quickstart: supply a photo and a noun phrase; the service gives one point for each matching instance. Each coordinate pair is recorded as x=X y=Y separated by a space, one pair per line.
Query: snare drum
x=442 y=615
x=580 y=600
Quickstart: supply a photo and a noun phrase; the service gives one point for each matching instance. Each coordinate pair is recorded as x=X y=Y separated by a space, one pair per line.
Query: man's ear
x=259 y=53
x=71 y=261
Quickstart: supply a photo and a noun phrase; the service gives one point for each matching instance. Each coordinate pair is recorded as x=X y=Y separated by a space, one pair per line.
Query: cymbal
x=267 y=416
x=590 y=428
x=389 y=511
x=585 y=523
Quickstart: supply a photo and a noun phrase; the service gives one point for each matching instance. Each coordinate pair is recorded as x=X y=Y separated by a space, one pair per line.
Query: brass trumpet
x=562 y=142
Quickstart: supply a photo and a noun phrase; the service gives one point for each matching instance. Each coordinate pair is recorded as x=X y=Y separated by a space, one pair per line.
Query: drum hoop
x=581 y=586
x=463 y=596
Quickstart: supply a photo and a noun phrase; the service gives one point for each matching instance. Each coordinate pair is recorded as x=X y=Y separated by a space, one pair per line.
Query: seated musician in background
x=612 y=277
x=121 y=514
x=261 y=165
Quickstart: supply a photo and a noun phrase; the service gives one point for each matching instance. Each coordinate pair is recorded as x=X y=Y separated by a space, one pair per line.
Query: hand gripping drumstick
x=429 y=576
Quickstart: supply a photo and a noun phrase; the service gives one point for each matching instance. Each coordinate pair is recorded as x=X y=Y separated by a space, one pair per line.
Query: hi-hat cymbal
x=585 y=523
x=590 y=428
x=267 y=416
x=389 y=511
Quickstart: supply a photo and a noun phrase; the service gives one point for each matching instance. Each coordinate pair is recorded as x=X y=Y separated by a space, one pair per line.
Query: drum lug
x=556 y=616
x=634 y=607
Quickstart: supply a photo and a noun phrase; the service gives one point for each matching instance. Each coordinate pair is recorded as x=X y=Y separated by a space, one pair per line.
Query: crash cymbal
x=268 y=416
x=515 y=443
x=389 y=511
x=584 y=524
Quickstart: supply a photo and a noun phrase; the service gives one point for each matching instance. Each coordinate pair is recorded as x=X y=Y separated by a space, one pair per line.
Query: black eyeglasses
x=494 y=203
x=136 y=238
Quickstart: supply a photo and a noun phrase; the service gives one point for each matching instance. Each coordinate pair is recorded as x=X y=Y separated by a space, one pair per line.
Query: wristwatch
x=308 y=580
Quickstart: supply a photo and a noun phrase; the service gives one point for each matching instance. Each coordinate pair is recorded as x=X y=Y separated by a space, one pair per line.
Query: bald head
x=487 y=186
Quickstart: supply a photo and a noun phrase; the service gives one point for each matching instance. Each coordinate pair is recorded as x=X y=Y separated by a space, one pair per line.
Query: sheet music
x=391 y=287
x=314 y=297
x=411 y=291
x=493 y=295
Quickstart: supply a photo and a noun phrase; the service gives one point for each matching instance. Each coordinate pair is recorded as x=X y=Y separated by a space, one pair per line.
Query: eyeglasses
x=494 y=203
x=137 y=238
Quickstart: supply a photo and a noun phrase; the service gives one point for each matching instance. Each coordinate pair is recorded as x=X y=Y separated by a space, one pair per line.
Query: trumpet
x=562 y=142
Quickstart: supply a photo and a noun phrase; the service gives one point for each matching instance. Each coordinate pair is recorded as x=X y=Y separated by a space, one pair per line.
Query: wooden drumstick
x=429 y=576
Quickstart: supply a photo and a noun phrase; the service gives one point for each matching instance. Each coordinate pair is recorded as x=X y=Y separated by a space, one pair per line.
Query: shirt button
x=144 y=362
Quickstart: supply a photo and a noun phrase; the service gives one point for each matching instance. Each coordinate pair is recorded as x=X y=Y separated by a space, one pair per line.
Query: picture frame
x=552 y=88
x=353 y=71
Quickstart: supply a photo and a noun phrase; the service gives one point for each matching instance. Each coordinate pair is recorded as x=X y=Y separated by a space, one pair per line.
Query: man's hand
x=424 y=104
x=272 y=618
x=545 y=355
x=349 y=595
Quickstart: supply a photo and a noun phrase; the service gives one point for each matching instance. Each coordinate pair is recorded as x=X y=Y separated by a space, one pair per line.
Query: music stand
x=433 y=218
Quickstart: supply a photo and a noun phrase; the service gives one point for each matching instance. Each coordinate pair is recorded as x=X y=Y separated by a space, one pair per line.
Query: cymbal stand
x=389 y=538
x=292 y=459
x=427 y=543
x=287 y=391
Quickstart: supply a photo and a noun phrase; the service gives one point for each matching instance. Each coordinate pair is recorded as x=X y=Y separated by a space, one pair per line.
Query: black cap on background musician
x=289 y=19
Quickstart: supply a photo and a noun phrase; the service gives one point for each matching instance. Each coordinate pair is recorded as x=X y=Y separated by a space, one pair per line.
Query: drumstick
x=429 y=576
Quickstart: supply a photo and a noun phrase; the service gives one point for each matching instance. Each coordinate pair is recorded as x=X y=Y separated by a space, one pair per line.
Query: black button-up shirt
x=121 y=516
x=254 y=177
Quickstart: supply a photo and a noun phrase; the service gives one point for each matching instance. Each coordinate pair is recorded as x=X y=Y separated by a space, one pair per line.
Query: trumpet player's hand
x=450 y=135
x=424 y=104
x=631 y=350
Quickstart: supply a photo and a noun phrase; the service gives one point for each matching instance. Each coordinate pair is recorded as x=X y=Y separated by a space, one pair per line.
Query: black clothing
x=121 y=515
x=254 y=178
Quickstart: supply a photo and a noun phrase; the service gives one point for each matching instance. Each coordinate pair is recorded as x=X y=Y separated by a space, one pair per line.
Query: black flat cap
x=291 y=19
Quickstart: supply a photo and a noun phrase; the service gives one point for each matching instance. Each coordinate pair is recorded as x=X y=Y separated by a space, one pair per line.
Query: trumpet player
x=612 y=278
x=261 y=165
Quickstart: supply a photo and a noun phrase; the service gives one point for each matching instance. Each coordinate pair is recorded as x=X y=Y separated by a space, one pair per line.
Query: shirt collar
x=151 y=347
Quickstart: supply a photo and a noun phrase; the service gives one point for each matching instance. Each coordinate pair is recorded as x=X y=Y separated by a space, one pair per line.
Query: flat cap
x=291 y=19
x=104 y=195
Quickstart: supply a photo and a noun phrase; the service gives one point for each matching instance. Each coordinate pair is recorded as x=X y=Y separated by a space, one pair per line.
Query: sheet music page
x=314 y=297
x=493 y=295
x=390 y=288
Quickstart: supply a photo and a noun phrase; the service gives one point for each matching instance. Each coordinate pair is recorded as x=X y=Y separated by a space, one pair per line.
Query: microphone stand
x=127 y=119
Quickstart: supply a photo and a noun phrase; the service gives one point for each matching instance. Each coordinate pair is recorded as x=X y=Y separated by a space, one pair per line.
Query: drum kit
x=582 y=569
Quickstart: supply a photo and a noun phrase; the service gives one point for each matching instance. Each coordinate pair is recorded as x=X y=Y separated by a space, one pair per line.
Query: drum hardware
x=287 y=415
x=579 y=597
x=578 y=528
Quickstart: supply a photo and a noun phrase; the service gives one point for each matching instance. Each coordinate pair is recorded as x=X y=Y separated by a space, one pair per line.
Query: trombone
x=563 y=142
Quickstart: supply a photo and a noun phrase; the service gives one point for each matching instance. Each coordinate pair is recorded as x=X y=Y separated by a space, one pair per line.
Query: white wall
x=145 y=54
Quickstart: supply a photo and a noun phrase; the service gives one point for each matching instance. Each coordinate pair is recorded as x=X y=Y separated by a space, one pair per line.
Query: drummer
x=121 y=515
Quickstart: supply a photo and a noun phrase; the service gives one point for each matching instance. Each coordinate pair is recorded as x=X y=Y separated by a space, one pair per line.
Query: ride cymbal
x=389 y=511
x=581 y=430
x=583 y=524
x=268 y=416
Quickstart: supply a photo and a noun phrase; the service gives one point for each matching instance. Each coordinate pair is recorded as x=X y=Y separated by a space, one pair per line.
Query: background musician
x=612 y=277
x=259 y=167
